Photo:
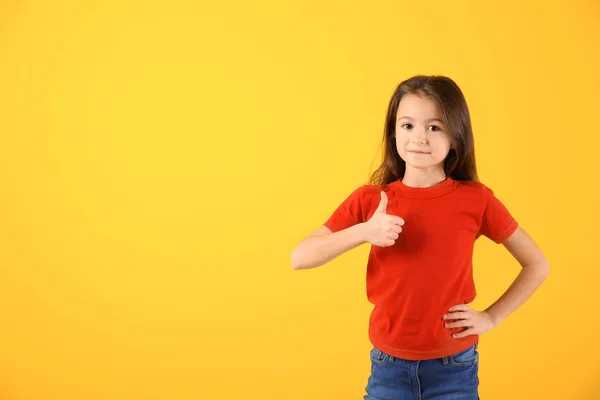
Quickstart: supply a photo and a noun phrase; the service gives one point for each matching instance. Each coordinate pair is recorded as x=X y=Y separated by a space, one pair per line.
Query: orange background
x=160 y=160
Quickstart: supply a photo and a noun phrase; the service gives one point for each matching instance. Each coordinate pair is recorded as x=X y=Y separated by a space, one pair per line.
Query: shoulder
x=362 y=195
x=368 y=189
x=475 y=188
x=367 y=197
x=475 y=194
x=472 y=186
x=365 y=193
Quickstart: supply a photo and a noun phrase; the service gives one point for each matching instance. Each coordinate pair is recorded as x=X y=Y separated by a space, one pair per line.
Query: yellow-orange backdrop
x=159 y=160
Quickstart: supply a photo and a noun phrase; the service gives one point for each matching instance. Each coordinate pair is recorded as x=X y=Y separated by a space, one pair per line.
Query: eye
x=407 y=126
x=435 y=128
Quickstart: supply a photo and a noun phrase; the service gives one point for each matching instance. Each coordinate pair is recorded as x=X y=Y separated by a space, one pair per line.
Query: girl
x=421 y=213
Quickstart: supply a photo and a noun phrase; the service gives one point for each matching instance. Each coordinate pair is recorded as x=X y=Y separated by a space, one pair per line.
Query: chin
x=419 y=161
x=422 y=164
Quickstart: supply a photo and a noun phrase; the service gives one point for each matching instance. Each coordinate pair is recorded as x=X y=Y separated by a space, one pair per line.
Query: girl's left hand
x=476 y=322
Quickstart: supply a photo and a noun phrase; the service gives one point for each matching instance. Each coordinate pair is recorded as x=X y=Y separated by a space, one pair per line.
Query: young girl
x=422 y=213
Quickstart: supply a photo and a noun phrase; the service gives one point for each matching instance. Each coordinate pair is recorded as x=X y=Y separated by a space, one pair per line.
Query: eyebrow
x=429 y=120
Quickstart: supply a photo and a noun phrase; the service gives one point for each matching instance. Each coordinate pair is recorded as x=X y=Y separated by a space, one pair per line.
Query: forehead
x=418 y=107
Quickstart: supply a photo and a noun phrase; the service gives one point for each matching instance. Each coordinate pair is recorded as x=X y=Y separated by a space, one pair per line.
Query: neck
x=423 y=177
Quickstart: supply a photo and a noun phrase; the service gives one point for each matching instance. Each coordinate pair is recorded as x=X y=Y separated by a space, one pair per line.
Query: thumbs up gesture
x=382 y=229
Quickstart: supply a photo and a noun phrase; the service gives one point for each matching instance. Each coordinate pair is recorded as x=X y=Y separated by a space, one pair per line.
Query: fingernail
x=446 y=325
x=445 y=316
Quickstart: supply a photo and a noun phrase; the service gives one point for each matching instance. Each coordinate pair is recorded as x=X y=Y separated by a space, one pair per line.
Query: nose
x=419 y=136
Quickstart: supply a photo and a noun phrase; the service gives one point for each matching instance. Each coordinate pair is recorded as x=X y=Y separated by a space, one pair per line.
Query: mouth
x=418 y=152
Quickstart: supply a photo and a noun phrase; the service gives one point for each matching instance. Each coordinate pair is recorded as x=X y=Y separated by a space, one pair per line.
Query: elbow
x=545 y=269
x=296 y=260
x=301 y=260
x=542 y=270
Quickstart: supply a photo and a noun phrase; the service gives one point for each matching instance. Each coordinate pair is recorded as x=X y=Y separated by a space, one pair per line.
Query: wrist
x=361 y=230
x=494 y=319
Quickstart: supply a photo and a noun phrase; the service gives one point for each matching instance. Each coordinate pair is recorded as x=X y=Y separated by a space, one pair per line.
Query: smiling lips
x=418 y=152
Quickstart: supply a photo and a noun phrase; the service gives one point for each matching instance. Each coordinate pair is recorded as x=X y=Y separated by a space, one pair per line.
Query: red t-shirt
x=413 y=283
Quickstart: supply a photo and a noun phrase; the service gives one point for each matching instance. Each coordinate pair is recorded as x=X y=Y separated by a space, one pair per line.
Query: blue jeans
x=449 y=378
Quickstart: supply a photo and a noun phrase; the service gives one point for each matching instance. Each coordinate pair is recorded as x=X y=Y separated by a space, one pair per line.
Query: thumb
x=382 y=207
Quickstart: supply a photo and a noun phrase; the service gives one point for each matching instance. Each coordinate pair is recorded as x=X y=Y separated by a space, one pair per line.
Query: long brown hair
x=460 y=162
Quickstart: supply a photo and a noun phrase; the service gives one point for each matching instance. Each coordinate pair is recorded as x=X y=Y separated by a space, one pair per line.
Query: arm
x=323 y=246
x=534 y=270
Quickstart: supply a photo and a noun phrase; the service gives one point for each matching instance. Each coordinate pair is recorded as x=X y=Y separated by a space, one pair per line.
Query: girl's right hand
x=383 y=229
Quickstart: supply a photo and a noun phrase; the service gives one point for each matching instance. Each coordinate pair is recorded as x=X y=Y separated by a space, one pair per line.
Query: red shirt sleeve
x=349 y=213
x=497 y=223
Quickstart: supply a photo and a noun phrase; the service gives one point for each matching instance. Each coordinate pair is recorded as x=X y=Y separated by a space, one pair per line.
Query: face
x=422 y=138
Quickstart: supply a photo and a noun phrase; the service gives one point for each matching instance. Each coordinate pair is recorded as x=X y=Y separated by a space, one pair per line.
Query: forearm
x=529 y=279
x=315 y=251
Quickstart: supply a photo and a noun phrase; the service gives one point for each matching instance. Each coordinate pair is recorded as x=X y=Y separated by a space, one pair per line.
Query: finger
x=460 y=307
x=392 y=225
x=393 y=235
x=458 y=324
x=382 y=207
x=396 y=228
x=397 y=220
x=468 y=332
x=457 y=315
x=388 y=243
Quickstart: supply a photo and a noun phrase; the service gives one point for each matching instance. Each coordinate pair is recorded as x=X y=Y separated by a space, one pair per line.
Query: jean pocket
x=378 y=356
x=466 y=357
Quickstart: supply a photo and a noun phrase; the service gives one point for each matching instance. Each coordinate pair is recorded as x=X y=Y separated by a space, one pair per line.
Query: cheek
x=444 y=148
x=442 y=145
x=400 y=146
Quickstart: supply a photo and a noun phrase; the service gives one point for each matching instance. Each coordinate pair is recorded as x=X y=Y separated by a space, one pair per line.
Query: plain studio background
x=160 y=160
